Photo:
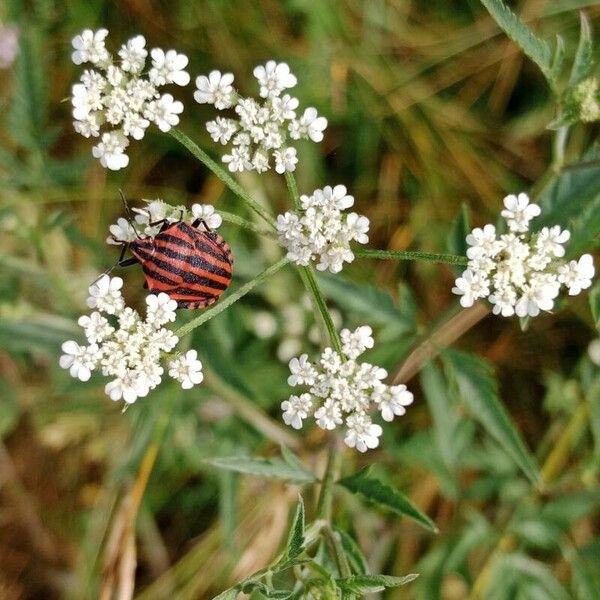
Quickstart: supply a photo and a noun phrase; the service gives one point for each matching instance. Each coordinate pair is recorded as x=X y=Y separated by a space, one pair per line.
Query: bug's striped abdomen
x=192 y=266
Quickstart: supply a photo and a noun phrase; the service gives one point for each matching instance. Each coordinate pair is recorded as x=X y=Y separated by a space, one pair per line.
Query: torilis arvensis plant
x=519 y=269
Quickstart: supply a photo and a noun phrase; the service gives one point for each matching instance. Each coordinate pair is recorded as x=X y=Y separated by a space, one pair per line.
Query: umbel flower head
x=124 y=231
x=323 y=231
x=128 y=349
x=342 y=391
x=259 y=131
x=520 y=272
x=115 y=102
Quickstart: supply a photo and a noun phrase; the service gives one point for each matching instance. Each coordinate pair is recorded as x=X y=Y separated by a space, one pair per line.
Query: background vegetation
x=433 y=114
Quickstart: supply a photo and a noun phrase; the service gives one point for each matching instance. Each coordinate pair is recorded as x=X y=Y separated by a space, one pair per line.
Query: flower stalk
x=416 y=255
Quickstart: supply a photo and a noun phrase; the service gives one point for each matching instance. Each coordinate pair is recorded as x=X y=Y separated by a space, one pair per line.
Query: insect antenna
x=130 y=218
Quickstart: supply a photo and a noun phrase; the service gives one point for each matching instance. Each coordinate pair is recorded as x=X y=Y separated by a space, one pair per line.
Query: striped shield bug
x=188 y=261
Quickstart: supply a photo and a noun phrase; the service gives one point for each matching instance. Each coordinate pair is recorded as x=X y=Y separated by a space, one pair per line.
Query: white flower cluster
x=123 y=231
x=342 y=390
x=260 y=130
x=125 y=347
x=119 y=98
x=323 y=231
x=520 y=272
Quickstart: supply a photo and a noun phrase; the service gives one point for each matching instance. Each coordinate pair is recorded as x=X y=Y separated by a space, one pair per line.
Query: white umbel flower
x=322 y=231
x=520 y=273
x=118 y=102
x=344 y=391
x=207 y=214
x=127 y=348
x=263 y=129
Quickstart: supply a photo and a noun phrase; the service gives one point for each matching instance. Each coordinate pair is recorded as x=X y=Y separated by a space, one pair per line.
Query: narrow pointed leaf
x=295 y=542
x=533 y=47
x=479 y=392
x=370 y=584
x=378 y=492
x=584 y=58
x=357 y=560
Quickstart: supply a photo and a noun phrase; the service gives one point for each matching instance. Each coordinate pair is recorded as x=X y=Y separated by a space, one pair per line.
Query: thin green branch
x=216 y=168
x=245 y=224
x=293 y=189
x=231 y=299
x=334 y=458
x=311 y=284
x=451 y=259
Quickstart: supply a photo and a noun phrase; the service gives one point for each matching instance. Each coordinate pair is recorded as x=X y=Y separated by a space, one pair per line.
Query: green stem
x=334 y=459
x=231 y=183
x=293 y=189
x=231 y=299
x=311 y=284
x=337 y=550
x=241 y=222
x=451 y=259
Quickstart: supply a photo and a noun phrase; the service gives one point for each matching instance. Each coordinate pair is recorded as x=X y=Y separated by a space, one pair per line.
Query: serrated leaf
x=583 y=63
x=293 y=461
x=559 y=58
x=295 y=541
x=265 y=467
x=357 y=560
x=381 y=493
x=533 y=47
x=370 y=584
x=479 y=392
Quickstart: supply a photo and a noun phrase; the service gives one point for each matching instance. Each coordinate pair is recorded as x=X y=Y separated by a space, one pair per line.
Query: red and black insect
x=192 y=265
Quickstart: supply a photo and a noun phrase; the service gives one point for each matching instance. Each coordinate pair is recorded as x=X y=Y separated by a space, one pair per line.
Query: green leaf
x=230 y=594
x=533 y=47
x=293 y=461
x=370 y=584
x=559 y=58
x=584 y=58
x=362 y=300
x=295 y=542
x=265 y=467
x=380 y=493
x=479 y=392
x=357 y=560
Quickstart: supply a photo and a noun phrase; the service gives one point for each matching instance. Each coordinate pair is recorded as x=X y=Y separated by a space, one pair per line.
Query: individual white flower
x=80 y=360
x=296 y=409
x=329 y=416
x=168 y=67
x=164 y=112
x=89 y=47
x=393 y=401
x=357 y=227
x=121 y=232
x=536 y=296
x=221 y=130
x=215 y=88
x=262 y=130
x=286 y=159
x=302 y=371
x=105 y=295
x=207 y=214
x=160 y=309
x=519 y=212
x=133 y=54
x=96 y=327
x=483 y=243
x=129 y=387
x=471 y=286
x=274 y=78
x=362 y=434
x=111 y=151
x=577 y=275
x=309 y=126
x=354 y=343
x=187 y=370
x=551 y=239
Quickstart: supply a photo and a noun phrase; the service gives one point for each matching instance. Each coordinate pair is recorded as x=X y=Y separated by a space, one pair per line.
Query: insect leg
x=198 y=221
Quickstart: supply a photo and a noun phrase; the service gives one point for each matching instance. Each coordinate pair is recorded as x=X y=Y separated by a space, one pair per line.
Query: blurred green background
x=430 y=109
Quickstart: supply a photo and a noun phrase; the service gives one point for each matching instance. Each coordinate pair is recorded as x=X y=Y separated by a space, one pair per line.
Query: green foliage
x=583 y=64
x=371 y=584
x=295 y=543
x=378 y=492
x=478 y=390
